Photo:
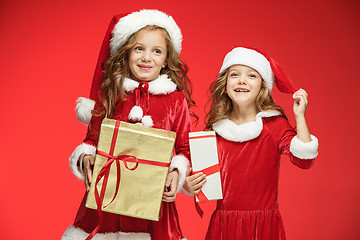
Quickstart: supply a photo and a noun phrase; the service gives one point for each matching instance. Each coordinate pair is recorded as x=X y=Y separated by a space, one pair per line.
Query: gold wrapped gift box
x=140 y=191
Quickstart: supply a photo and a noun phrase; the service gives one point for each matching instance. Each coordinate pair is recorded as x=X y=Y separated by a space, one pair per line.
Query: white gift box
x=204 y=158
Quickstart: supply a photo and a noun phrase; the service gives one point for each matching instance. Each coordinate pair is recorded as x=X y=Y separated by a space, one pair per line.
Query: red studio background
x=48 y=54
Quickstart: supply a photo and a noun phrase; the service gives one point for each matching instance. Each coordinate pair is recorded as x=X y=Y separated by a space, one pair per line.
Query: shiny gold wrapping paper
x=140 y=191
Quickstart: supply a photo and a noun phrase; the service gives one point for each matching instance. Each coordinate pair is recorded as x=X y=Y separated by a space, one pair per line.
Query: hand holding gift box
x=204 y=158
x=134 y=184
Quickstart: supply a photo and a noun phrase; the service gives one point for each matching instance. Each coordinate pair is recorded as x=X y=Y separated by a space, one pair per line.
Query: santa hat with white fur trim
x=119 y=31
x=270 y=71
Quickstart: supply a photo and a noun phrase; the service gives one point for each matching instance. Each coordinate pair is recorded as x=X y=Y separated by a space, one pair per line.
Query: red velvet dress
x=169 y=110
x=250 y=158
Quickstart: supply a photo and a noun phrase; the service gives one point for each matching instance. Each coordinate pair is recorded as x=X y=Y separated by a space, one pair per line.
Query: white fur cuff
x=84 y=109
x=75 y=157
x=181 y=163
x=73 y=233
x=308 y=150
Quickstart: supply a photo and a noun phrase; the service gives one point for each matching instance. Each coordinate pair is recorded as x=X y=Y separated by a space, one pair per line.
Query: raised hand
x=300 y=103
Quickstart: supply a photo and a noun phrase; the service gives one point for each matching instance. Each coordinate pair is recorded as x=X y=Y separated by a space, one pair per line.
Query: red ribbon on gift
x=105 y=171
x=201 y=196
x=207 y=171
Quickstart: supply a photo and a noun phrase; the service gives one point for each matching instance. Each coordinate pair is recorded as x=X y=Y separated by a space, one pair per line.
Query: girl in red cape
x=252 y=132
x=140 y=50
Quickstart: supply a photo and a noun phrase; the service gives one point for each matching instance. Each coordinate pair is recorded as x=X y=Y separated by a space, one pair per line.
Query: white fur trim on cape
x=147 y=121
x=253 y=59
x=160 y=86
x=83 y=109
x=308 y=150
x=181 y=163
x=244 y=132
x=73 y=233
x=133 y=22
x=136 y=113
x=75 y=157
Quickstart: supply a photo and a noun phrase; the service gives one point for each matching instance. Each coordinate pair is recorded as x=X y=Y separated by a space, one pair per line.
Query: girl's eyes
x=252 y=75
x=156 y=51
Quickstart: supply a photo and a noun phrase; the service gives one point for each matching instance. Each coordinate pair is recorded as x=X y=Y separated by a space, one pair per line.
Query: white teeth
x=241 y=90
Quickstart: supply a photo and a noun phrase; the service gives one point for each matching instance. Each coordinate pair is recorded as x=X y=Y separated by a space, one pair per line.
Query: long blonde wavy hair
x=116 y=69
x=221 y=105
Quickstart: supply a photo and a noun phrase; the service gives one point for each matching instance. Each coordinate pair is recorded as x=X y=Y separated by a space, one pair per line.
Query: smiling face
x=243 y=85
x=148 y=55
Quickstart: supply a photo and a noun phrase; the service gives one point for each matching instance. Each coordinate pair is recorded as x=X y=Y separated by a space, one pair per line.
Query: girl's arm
x=182 y=127
x=82 y=158
x=300 y=146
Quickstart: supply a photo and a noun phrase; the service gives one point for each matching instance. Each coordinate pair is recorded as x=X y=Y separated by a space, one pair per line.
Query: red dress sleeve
x=285 y=143
x=93 y=132
x=182 y=127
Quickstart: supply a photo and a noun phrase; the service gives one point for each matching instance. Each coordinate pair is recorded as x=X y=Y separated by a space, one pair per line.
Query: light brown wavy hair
x=221 y=105
x=116 y=69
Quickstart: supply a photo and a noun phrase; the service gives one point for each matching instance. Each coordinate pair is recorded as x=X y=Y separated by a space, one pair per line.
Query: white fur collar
x=244 y=132
x=160 y=86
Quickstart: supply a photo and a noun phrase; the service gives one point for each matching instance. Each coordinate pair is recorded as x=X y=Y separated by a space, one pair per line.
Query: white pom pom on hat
x=84 y=109
x=270 y=71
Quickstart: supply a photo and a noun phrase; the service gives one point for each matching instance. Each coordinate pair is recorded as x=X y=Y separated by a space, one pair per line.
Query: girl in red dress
x=140 y=49
x=252 y=132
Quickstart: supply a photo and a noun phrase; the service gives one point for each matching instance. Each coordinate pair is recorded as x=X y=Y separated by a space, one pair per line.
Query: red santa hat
x=270 y=71
x=120 y=29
